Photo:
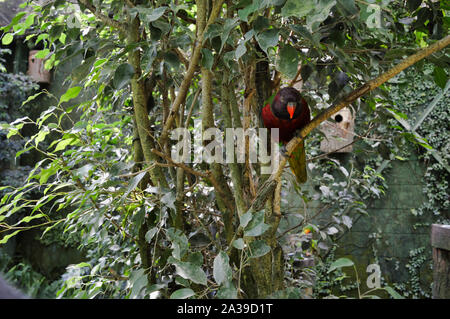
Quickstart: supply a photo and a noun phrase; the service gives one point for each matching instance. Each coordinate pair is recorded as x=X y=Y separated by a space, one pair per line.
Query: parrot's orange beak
x=291 y=108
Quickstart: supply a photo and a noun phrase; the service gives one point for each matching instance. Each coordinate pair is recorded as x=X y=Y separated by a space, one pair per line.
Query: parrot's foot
x=297 y=134
x=283 y=151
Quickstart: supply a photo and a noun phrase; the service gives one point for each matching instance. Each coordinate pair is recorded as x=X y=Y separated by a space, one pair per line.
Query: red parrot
x=289 y=112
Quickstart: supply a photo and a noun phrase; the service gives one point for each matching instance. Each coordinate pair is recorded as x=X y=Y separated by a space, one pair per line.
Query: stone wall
x=391 y=231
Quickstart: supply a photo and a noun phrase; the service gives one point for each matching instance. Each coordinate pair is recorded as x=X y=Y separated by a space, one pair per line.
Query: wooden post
x=440 y=241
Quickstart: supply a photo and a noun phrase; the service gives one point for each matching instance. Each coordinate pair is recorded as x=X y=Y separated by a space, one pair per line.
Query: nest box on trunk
x=338 y=133
x=36 y=68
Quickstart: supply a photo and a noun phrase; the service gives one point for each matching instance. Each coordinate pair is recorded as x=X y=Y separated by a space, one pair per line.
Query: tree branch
x=235 y=169
x=192 y=171
x=185 y=84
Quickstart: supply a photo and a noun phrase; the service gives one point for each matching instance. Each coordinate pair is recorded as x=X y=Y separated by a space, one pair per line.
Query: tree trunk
x=264 y=275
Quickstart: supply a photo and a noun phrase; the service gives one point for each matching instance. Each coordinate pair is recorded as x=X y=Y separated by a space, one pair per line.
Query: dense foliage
x=152 y=227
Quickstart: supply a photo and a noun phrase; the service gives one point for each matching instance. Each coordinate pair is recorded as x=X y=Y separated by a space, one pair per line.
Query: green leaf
x=196 y=258
x=46 y=173
x=12 y=131
x=155 y=14
x=349 y=6
x=150 y=234
x=256 y=227
x=6 y=237
x=422 y=141
x=81 y=72
x=179 y=242
x=39 y=137
x=189 y=271
x=27 y=219
x=268 y=39
x=16 y=20
x=305 y=33
x=182 y=282
x=82 y=264
x=84 y=171
x=229 y=25
x=393 y=293
x=42 y=36
x=222 y=271
x=397 y=114
x=207 y=59
x=138 y=280
x=214 y=30
x=169 y=200
x=288 y=61
x=51 y=227
x=162 y=25
x=321 y=11
x=32 y=97
x=63 y=144
x=155 y=287
x=239 y=244
x=148 y=15
x=341 y=262
x=440 y=77
x=7 y=38
x=182 y=293
x=240 y=50
x=100 y=62
x=245 y=219
x=62 y=38
x=133 y=184
x=258 y=248
x=297 y=8
x=227 y=291
x=29 y=21
x=245 y=12
x=70 y=94
x=258 y=230
x=261 y=23
x=45 y=115
x=124 y=73
x=172 y=60
x=42 y=54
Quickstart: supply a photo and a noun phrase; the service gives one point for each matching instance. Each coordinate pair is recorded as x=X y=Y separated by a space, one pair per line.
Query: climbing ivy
x=412 y=93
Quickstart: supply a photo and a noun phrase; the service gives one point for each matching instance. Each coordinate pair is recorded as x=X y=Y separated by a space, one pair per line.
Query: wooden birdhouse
x=338 y=132
x=36 y=68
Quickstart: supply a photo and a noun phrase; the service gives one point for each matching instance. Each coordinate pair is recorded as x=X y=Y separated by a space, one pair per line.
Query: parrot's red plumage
x=289 y=112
